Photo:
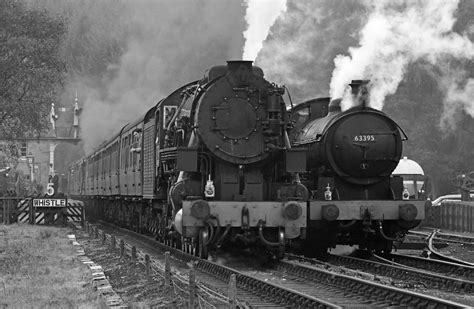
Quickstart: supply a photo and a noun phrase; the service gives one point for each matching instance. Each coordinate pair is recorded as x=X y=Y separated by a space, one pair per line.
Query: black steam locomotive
x=220 y=161
x=351 y=155
x=209 y=164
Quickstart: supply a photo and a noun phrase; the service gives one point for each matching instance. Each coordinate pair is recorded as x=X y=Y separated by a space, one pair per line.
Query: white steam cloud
x=165 y=45
x=260 y=16
x=459 y=96
x=396 y=35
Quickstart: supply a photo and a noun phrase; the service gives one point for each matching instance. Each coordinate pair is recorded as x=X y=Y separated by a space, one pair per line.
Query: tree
x=32 y=70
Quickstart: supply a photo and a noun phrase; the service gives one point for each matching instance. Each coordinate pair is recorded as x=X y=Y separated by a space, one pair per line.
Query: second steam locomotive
x=351 y=157
x=222 y=161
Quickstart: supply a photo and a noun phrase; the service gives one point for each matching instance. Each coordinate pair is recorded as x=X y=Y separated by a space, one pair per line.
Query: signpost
x=49 y=202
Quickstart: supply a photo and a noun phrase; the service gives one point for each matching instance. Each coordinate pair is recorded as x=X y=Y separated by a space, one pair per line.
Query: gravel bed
x=129 y=279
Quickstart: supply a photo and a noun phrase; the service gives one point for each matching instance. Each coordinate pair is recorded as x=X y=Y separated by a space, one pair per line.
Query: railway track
x=433 y=253
x=251 y=292
x=440 y=267
x=294 y=284
x=398 y=275
x=445 y=237
x=436 y=254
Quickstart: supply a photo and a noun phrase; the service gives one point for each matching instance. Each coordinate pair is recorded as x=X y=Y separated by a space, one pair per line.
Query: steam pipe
x=218 y=229
x=185 y=95
x=211 y=229
x=262 y=238
x=383 y=234
x=296 y=176
x=221 y=239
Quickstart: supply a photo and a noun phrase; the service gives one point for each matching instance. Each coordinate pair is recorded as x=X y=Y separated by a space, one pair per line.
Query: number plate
x=364 y=138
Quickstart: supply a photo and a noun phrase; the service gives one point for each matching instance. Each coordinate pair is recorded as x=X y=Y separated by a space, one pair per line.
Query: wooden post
x=134 y=253
x=96 y=232
x=122 y=248
x=114 y=241
x=458 y=217
x=147 y=265
x=8 y=211
x=232 y=291
x=192 y=288
x=451 y=216
x=463 y=218
x=167 y=269
x=3 y=211
x=104 y=238
x=32 y=212
x=471 y=218
x=83 y=215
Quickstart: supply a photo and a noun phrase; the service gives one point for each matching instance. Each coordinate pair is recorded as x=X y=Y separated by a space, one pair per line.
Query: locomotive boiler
x=236 y=177
x=355 y=199
x=209 y=164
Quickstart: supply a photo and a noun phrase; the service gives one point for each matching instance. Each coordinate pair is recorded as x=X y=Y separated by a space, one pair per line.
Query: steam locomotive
x=222 y=162
x=209 y=164
x=351 y=155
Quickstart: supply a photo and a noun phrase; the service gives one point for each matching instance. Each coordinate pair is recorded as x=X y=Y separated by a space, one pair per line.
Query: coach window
x=130 y=155
x=126 y=156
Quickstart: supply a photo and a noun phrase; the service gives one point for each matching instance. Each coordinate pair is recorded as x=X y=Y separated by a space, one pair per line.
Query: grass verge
x=39 y=269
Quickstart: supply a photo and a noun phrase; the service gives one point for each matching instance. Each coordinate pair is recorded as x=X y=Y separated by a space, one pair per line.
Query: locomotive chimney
x=360 y=92
x=240 y=71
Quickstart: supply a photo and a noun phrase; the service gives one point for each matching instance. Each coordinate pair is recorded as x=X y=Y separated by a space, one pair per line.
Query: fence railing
x=9 y=209
x=451 y=215
x=21 y=210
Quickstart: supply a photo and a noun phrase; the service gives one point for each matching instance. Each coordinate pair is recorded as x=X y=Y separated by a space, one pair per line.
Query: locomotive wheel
x=203 y=239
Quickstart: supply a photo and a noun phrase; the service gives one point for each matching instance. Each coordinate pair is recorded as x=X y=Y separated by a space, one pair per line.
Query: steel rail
x=438 y=255
x=396 y=296
x=432 y=265
x=282 y=296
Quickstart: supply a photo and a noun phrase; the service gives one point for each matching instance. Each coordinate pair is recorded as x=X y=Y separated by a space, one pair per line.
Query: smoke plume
x=299 y=50
x=260 y=16
x=128 y=55
x=459 y=96
x=396 y=35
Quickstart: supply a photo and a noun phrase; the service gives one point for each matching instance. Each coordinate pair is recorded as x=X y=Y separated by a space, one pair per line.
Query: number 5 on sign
x=50 y=189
